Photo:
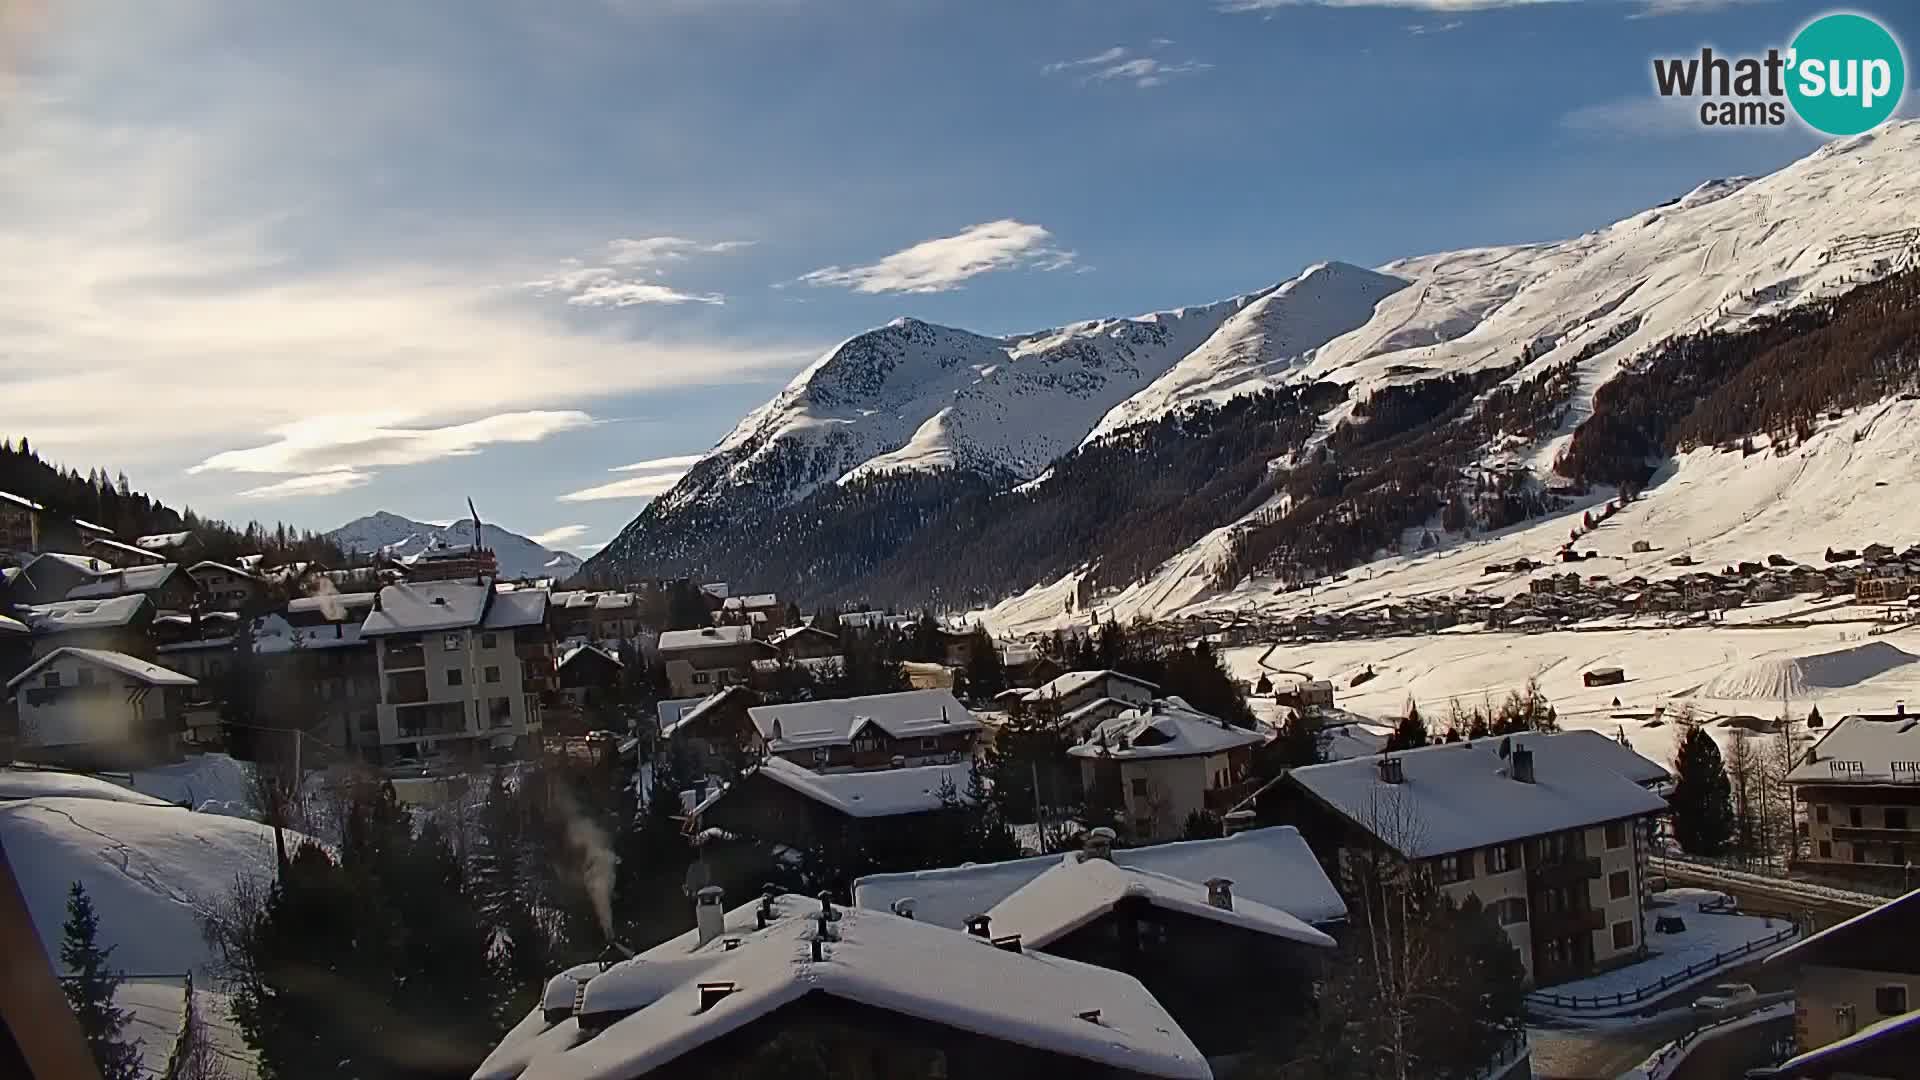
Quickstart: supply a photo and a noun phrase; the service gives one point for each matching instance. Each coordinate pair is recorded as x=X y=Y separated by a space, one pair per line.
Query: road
x=1604 y=1052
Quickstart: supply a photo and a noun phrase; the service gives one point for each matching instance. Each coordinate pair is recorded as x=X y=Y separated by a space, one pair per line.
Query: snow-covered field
x=159 y=1009
x=1706 y=936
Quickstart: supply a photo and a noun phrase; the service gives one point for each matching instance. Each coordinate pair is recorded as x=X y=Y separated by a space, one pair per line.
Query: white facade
x=98 y=705
x=442 y=685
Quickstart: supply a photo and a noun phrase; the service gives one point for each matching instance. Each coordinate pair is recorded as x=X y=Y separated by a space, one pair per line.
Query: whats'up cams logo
x=1843 y=74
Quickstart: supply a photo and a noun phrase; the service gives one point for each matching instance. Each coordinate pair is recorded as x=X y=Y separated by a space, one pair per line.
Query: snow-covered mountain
x=403 y=537
x=915 y=398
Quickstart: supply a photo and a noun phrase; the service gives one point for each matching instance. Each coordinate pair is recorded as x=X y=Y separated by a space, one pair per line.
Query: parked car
x=1725 y=996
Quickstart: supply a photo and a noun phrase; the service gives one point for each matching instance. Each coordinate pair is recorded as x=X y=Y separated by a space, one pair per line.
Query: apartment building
x=1156 y=765
x=698 y=662
x=94 y=708
x=915 y=727
x=1550 y=832
x=1856 y=976
x=461 y=665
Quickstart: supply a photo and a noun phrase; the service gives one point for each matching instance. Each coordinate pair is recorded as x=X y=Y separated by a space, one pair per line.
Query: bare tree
x=1743 y=762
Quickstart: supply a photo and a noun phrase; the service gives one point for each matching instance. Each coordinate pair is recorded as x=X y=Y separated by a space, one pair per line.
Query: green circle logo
x=1847 y=75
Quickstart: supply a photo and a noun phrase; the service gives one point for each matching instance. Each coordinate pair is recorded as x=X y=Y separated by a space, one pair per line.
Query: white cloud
x=1423 y=29
x=326 y=483
x=1654 y=116
x=349 y=442
x=947 y=262
x=589 y=549
x=616 y=284
x=638 y=487
x=1120 y=63
x=1415 y=5
x=684 y=461
x=1651 y=9
x=558 y=535
x=651 y=250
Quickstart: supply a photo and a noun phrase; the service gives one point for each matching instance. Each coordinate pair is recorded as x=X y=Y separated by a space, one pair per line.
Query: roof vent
x=903 y=907
x=978 y=926
x=1009 y=943
x=439 y=600
x=1392 y=771
x=1091 y=1016
x=1522 y=765
x=1220 y=893
x=712 y=992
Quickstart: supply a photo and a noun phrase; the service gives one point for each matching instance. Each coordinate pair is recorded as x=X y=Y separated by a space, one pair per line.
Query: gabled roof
x=1886 y=938
x=1270 y=866
x=1075 y=681
x=86 y=564
x=206 y=565
x=706 y=637
x=755 y=602
x=800 y=725
x=162 y=541
x=695 y=709
x=133 y=579
x=511 y=610
x=874 y=959
x=671 y=709
x=1077 y=891
x=85 y=614
x=19 y=500
x=1457 y=796
x=273 y=634
x=1165 y=729
x=433 y=605
x=1876 y=1046
x=131 y=666
x=581 y=652
x=87 y=526
x=786 y=634
x=878 y=793
x=1863 y=750
x=13 y=626
x=331 y=601
x=125 y=549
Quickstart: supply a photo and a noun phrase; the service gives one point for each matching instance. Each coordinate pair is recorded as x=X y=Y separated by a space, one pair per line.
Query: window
x=1616 y=834
x=1139 y=787
x=1623 y=935
x=215 y=667
x=500 y=711
x=1891 y=999
x=1448 y=869
x=492 y=674
x=451 y=643
x=1500 y=859
x=1896 y=817
x=486 y=641
x=1897 y=854
x=52 y=680
x=1826 y=849
x=1853 y=816
x=1619 y=884
x=1510 y=911
x=1859 y=853
x=453 y=676
x=822 y=755
x=702 y=678
x=1820 y=815
x=929 y=743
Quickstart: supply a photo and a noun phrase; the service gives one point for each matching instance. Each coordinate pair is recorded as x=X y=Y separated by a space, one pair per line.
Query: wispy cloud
x=589 y=549
x=1423 y=29
x=638 y=487
x=653 y=250
x=1413 y=5
x=947 y=262
x=618 y=279
x=1653 y=9
x=332 y=482
x=684 y=461
x=324 y=444
x=559 y=535
x=1123 y=64
x=1656 y=117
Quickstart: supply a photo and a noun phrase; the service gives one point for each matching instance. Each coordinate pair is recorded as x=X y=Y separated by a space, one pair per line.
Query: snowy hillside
x=402 y=538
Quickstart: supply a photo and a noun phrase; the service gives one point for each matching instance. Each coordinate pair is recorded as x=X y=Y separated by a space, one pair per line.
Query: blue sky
x=303 y=261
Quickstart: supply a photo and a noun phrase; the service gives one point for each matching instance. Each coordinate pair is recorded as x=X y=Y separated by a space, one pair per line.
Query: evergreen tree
x=1702 y=799
x=1411 y=732
x=90 y=986
x=986 y=674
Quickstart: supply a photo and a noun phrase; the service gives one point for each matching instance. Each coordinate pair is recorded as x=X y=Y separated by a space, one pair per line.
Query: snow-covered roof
x=819 y=665
x=1167 y=728
x=133 y=579
x=86 y=564
x=20 y=501
x=433 y=605
x=786 y=634
x=697 y=708
x=755 y=602
x=706 y=637
x=1875 y=928
x=1864 y=750
x=1457 y=796
x=578 y=651
x=88 y=526
x=672 y=709
x=1075 y=681
x=878 y=793
x=115 y=545
x=206 y=565
x=614 y=601
x=162 y=541
x=1077 y=891
x=331 y=601
x=522 y=607
x=875 y=959
x=1270 y=866
x=131 y=666
x=913 y=713
x=273 y=634
x=13 y=626
x=84 y=614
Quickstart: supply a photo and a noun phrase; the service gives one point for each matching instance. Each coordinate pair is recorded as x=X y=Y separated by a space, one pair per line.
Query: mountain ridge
x=403 y=537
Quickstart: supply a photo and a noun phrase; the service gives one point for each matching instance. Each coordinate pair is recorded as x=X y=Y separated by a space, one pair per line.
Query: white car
x=1725 y=996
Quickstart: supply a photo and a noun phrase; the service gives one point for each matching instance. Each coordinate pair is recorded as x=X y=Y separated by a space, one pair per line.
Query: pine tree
x=986 y=673
x=90 y=987
x=1411 y=732
x=1703 y=819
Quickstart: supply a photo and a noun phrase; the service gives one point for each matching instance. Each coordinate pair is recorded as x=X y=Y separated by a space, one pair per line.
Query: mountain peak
x=402 y=537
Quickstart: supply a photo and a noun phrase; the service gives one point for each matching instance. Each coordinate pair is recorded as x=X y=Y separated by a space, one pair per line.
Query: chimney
x=1900 y=709
x=1091 y=1016
x=1522 y=767
x=1098 y=844
x=712 y=992
x=819 y=951
x=708 y=914
x=1009 y=943
x=899 y=761
x=1240 y=821
x=903 y=907
x=1220 y=893
x=1392 y=771
x=978 y=926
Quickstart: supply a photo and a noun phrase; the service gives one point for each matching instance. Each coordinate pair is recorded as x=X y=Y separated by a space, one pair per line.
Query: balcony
x=1564 y=871
x=1548 y=926
x=406 y=688
x=1859 y=835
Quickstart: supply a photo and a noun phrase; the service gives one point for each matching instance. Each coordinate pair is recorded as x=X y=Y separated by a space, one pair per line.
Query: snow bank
x=1796 y=676
x=198 y=781
x=150 y=870
x=18 y=783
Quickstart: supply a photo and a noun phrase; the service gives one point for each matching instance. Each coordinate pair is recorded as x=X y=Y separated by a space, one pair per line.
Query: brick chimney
x=1392 y=771
x=1522 y=765
x=980 y=926
x=1220 y=893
